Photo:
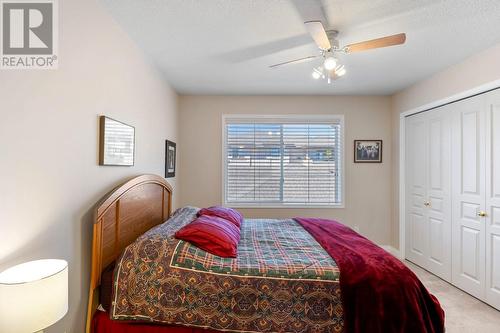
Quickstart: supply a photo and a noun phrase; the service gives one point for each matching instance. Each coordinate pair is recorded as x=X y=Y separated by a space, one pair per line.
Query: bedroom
x=197 y=73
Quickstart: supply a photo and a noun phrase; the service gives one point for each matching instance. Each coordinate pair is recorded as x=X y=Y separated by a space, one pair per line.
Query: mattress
x=281 y=281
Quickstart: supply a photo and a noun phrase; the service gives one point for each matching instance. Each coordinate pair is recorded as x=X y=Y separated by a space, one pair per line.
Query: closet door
x=416 y=181
x=492 y=218
x=438 y=200
x=468 y=198
x=428 y=232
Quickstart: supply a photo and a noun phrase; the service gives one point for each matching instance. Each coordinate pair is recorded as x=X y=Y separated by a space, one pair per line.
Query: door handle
x=427 y=203
x=481 y=214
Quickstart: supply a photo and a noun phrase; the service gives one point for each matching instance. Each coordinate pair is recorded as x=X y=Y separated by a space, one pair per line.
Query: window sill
x=277 y=206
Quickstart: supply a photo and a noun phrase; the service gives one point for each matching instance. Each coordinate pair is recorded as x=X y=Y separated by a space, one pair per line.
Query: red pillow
x=232 y=215
x=212 y=234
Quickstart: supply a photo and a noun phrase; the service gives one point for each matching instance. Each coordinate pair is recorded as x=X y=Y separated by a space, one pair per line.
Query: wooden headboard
x=124 y=214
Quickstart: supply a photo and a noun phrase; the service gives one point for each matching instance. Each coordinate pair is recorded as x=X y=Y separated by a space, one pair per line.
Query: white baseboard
x=392 y=250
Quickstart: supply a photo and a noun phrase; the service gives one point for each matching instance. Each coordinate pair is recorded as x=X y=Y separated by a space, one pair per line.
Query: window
x=283 y=161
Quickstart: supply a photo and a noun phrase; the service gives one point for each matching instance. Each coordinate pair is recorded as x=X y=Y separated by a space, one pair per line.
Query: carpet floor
x=464 y=313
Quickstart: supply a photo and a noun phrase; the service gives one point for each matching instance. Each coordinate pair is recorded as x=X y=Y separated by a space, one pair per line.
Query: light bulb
x=330 y=63
x=316 y=75
x=340 y=71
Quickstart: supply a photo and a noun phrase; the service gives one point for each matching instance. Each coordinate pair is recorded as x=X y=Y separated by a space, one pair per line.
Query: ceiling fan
x=328 y=44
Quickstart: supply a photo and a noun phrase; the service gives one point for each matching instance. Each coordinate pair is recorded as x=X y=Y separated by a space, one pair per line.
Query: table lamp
x=33 y=295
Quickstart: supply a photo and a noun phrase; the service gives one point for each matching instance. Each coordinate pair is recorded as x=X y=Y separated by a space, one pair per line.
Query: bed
x=285 y=278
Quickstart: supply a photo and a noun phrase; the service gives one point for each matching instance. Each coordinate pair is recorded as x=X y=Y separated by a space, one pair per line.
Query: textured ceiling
x=226 y=46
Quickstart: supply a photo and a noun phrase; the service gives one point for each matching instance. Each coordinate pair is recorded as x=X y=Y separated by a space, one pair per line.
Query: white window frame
x=337 y=118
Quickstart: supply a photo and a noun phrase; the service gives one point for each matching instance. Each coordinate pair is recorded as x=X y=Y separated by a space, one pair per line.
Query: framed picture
x=170 y=152
x=367 y=151
x=116 y=142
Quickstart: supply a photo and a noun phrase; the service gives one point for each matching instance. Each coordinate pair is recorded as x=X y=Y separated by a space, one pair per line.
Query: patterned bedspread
x=281 y=281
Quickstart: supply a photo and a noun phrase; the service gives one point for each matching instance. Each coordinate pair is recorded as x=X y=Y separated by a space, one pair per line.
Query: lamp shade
x=33 y=295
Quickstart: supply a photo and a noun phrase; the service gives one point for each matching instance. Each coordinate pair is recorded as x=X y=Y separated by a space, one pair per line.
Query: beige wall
x=368 y=186
x=48 y=151
x=480 y=69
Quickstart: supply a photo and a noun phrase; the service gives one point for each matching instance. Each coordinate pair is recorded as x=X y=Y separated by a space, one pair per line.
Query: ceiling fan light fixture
x=328 y=45
x=317 y=73
x=340 y=70
x=330 y=63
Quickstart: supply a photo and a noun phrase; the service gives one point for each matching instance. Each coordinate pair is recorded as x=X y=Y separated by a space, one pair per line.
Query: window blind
x=279 y=162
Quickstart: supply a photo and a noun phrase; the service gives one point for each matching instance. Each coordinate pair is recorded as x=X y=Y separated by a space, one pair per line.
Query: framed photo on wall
x=170 y=157
x=116 y=142
x=367 y=151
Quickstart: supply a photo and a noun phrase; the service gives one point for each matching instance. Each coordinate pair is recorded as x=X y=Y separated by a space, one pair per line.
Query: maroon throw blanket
x=379 y=293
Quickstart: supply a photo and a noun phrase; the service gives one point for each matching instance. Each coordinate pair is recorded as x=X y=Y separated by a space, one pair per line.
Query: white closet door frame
x=402 y=144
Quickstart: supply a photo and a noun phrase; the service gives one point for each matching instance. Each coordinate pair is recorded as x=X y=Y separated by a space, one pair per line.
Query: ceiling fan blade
x=296 y=61
x=318 y=33
x=377 y=43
